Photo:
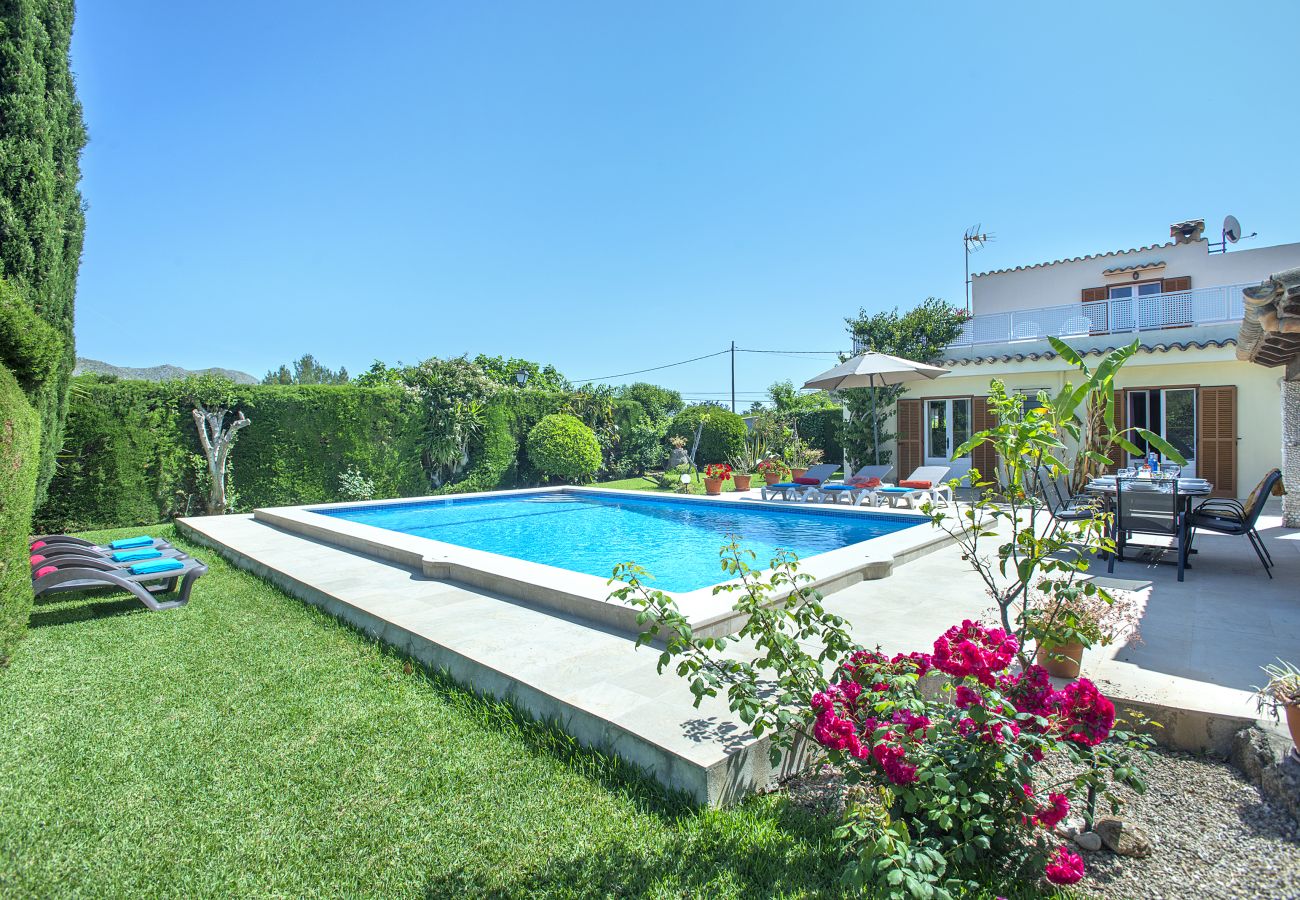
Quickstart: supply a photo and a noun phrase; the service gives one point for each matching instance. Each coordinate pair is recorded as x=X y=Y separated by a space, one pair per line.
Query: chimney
x=1187 y=232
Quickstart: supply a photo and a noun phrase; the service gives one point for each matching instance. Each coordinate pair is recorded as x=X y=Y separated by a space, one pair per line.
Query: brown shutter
x=909 y=438
x=1099 y=316
x=983 y=456
x=1092 y=295
x=1173 y=285
x=1118 y=455
x=1216 y=439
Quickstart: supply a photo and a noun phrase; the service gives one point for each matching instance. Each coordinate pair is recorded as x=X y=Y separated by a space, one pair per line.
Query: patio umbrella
x=873 y=370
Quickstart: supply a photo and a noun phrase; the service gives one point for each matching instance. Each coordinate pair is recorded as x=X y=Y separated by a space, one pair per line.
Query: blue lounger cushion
x=134 y=555
x=155 y=566
x=131 y=543
x=898 y=490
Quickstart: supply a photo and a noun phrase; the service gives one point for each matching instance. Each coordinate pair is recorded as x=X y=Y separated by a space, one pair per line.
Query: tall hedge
x=823 y=429
x=131 y=446
x=41 y=219
x=19 y=460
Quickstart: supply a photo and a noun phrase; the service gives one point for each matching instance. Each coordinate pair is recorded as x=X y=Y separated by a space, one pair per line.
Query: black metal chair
x=1230 y=517
x=1143 y=506
x=1063 y=506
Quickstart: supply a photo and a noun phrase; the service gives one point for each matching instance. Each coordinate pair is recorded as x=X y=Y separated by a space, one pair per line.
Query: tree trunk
x=217 y=441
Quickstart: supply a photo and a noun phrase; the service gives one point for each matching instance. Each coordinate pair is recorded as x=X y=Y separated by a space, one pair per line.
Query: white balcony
x=1180 y=309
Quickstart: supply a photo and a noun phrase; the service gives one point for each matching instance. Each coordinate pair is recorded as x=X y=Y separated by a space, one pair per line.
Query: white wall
x=1059 y=283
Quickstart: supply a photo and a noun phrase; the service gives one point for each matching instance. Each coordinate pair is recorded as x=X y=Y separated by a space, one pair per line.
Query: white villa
x=1182 y=300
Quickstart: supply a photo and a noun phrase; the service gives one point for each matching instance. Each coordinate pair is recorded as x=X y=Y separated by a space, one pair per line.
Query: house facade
x=1179 y=299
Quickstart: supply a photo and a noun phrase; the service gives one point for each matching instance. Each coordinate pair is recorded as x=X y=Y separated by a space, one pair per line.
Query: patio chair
x=1146 y=507
x=911 y=488
x=806 y=486
x=858 y=488
x=1229 y=517
x=1064 y=506
x=144 y=579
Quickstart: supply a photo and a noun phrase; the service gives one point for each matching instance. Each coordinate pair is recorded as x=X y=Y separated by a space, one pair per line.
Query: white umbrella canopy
x=873 y=370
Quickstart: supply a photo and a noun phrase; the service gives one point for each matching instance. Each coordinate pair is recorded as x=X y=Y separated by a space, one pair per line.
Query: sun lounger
x=910 y=489
x=856 y=488
x=813 y=479
x=48 y=543
x=174 y=575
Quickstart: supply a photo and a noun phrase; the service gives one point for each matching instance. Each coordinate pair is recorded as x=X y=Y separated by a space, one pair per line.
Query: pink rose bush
x=955 y=759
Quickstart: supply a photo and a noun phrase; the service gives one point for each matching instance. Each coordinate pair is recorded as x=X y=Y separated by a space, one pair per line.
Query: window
x=1170 y=413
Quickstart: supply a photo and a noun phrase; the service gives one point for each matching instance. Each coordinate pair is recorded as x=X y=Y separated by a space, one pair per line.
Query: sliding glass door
x=947 y=427
x=1170 y=413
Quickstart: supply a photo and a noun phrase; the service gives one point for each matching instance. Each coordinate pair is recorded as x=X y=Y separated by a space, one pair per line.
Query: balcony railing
x=1180 y=309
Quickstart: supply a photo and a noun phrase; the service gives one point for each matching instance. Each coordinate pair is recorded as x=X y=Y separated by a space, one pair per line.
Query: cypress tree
x=41 y=216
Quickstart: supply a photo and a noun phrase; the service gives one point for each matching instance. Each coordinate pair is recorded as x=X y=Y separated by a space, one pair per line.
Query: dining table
x=1189 y=491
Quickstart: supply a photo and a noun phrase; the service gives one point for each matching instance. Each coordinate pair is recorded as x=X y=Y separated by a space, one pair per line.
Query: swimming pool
x=675 y=539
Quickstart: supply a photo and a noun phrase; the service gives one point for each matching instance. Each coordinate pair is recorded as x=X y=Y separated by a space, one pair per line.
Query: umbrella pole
x=875 y=424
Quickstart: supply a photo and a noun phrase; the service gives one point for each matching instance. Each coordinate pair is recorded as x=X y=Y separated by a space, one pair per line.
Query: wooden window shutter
x=909 y=438
x=1118 y=455
x=983 y=457
x=1181 y=283
x=1216 y=440
x=1092 y=295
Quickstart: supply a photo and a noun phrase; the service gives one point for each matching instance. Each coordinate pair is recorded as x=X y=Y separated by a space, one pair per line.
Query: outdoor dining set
x=1163 y=503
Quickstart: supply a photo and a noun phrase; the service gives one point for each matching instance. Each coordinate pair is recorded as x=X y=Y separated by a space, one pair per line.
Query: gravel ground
x=1214 y=835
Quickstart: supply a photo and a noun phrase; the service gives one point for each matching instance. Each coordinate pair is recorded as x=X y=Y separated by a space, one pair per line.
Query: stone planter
x=1064 y=661
x=741 y=482
x=713 y=486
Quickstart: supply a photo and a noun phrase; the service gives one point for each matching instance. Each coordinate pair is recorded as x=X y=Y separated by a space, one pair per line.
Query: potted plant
x=771 y=470
x=714 y=475
x=1068 y=618
x=799 y=456
x=744 y=463
x=1282 y=690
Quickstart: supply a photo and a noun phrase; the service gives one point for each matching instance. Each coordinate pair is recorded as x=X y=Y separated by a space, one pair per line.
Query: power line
x=793 y=352
x=652 y=368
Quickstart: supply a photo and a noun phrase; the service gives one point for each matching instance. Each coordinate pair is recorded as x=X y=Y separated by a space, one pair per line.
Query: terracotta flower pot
x=713 y=486
x=771 y=477
x=741 y=482
x=1293 y=722
x=1063 y=661
x=796 y=473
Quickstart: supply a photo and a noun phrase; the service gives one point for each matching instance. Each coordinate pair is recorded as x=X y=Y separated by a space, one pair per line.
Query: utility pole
x=733 y=376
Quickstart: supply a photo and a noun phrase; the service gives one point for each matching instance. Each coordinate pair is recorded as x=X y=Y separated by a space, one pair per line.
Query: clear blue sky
x=608 y=187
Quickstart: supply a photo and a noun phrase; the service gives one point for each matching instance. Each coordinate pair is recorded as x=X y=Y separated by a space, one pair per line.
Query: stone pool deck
x=1204 y=640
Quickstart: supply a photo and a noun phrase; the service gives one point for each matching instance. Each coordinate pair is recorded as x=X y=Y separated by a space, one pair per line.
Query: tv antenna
x=974 y=240
x=1230 y=235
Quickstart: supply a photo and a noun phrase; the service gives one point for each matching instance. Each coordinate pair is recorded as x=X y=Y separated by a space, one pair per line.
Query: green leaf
x=1065 y=351
x=1165 y=448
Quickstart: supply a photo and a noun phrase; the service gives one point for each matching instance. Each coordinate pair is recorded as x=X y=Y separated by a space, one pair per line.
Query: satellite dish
x=1231 y=229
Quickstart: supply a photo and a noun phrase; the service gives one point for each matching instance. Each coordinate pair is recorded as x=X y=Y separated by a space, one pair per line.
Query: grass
x=249 y=745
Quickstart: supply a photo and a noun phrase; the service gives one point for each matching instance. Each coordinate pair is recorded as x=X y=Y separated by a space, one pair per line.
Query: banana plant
x=1087 y=414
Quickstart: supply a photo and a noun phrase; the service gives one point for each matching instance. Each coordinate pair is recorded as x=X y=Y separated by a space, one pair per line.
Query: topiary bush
x=19 y=462
x=561 y=446
x=722 y=438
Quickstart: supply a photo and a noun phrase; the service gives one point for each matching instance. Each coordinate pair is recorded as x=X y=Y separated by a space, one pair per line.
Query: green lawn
x=249 y=745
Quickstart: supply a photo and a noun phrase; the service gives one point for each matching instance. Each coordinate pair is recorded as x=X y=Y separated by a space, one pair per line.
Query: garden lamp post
x=522 y=376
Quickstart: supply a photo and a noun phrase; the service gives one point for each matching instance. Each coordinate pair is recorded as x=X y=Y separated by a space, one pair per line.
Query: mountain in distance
x=155 y=373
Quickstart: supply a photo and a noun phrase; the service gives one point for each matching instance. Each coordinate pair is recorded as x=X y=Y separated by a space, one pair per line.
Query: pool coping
x=710 y=612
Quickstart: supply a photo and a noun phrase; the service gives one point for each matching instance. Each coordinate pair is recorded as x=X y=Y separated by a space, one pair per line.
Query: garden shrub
x=561 y=446
x=19 y=460
x=30 y=348
x=722 y=438
x=495 y=454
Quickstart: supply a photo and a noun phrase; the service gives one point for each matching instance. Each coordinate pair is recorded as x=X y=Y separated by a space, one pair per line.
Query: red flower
x=971 y=650
x=1065 y=868
x=1088 y=715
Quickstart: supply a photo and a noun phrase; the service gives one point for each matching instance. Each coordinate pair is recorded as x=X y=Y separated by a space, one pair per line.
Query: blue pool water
x=677 y=541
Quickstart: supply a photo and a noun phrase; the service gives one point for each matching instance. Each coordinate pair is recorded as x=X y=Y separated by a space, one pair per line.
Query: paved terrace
x=1203 y=643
